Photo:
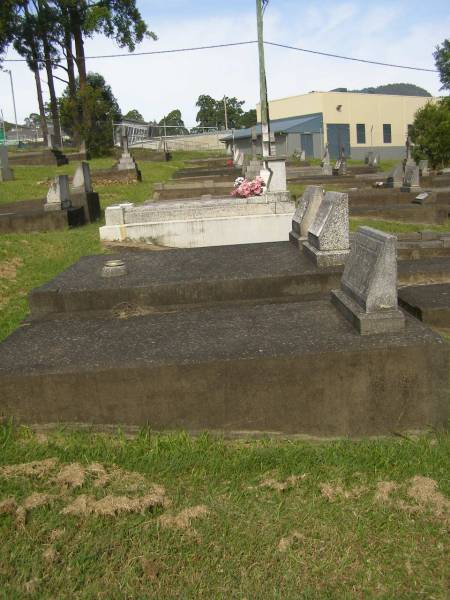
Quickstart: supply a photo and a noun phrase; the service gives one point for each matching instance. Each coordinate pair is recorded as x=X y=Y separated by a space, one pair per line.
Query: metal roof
x=306 y=124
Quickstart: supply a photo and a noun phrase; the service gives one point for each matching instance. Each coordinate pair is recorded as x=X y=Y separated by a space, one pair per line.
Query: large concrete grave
x=47 y=156
x=293 y=369
x=200 y=222
x=368 y=294
x=82 y=193
x=328 y=236
x=429 y=303
x=163 y=280
x=6 y=173
x=306 y=212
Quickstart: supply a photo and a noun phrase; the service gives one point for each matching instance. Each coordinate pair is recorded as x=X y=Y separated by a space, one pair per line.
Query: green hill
x=400 y=89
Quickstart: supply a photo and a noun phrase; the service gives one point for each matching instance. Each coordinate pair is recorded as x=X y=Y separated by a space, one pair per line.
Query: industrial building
x=358 y=122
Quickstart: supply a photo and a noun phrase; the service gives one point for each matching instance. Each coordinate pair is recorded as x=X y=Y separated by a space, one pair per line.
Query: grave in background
x=6 y=173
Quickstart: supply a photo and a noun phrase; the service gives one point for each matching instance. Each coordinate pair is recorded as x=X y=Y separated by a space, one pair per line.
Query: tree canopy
x=430 y=132
x=442 y=59
x=400 y=89
x=174 y=122
x=134 y=115
x=211 y=113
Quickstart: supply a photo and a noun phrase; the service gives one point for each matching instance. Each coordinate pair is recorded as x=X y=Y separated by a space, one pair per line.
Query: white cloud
x=159 y=83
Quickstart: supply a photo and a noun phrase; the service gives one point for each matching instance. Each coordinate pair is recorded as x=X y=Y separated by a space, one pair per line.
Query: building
x=357 y=122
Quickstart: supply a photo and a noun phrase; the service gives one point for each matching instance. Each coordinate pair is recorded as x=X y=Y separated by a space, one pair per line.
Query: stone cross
x=368 y=294
x=328 y=241
x=5 y=172
x=306 y=211
x=82 y=179
x=58 y=196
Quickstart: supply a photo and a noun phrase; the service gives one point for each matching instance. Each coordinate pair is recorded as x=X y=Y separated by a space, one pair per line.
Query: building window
x=387 y=134
x=360 y=133
x=409 y=129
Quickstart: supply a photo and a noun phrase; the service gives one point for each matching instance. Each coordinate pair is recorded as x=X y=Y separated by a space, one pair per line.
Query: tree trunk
x=79 y=49
x=77 y=117
x=41 y=106
x=51 y=89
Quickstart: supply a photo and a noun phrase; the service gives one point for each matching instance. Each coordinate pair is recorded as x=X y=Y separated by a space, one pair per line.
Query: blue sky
x=403 y=32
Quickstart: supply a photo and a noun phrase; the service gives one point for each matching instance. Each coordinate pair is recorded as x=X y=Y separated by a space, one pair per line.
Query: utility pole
x=226 y=113
x=14 y=102
x=265 y=126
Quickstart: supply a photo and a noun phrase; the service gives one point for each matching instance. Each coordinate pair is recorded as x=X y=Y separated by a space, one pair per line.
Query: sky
x=403 y=32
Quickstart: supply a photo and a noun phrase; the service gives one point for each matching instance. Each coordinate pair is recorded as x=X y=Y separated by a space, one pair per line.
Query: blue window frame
x=360 y=133
x=387 y=133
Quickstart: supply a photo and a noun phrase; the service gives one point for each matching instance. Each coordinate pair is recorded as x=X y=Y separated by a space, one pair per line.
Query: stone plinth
x=328 y=237
x=273 y=173
x=368 y=294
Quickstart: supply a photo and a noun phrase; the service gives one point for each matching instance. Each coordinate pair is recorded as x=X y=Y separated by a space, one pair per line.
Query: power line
x=231 y=44
x=371 y=62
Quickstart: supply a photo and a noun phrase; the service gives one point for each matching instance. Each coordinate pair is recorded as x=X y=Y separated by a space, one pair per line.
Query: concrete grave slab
x=429 y=303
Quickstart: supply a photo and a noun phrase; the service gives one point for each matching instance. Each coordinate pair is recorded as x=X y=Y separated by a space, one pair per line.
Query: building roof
x=306 y=124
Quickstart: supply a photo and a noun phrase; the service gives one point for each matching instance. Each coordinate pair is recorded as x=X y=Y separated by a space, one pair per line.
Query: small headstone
x=369 y=159
x=395 y=177
x=6 y=173
x=423 y=168
x=306 y=212
x=376 y=160
x=326 y=164
x=302 y=156
x=368 y=294
x=425 y=198
x=328 y=237
x=82 y=179
x=50 y=141
x=58 y=196
x=411 y=180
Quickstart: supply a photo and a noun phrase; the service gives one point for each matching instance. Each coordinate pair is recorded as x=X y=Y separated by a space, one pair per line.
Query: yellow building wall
x=373 y=110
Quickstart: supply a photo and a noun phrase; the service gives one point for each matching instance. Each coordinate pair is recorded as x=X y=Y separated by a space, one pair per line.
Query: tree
x=174 y=123
x=249 y=118
x=212 y=112
x=399 y=89
x=430 y=132
x=134 y=115
x=102 y=108
x=442 y=60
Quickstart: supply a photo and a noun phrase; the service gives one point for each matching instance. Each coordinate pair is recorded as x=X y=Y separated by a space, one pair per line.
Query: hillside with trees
x=398 y=89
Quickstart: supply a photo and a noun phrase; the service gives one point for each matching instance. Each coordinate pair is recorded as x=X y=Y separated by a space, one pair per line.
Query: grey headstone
x=368 y=294
x=50 y=140
x=328 y=237
x=58 y=196
x=423 y=168
x=5 y=172
x=395 y=176
x=409 y=158
x=306 y=210
x=82 y=179
x=326 y=164
x=411 y=177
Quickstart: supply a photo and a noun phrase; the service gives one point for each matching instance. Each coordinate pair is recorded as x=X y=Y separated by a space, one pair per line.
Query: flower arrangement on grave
x=244 y=188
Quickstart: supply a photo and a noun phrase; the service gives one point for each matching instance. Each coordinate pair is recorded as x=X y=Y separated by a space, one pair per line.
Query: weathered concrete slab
x=285 y=368
x=29 y=215
x=429 y=303
x=204 y=275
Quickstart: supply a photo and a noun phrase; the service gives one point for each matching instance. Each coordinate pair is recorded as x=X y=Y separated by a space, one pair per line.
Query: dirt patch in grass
x=71 y=476
x=184 y=518
x=425 y=492
x=333 y=492
x=36 y=468
x=36 y=500
x=286 y=542
x=8 y=268
x=270 y=482
x=384 y=489
x=111 y=506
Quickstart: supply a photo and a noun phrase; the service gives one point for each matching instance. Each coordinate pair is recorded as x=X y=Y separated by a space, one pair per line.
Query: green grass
x=346 y=548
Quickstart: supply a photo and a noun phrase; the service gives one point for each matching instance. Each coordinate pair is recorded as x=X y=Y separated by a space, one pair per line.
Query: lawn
x=107 y=515
x=171 y=516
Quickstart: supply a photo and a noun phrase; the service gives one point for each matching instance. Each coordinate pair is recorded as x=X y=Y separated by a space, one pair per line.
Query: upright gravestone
x=326 y=164
x=306 y=212
x=409 y=158
x=369 y=159
x=395 y=177
x=368 y=294
x=411 y=179
x=50 y=141
x=423 y=168
x=83 y=193
x=6 y=173
x=254 y=168
x=82 y=179
x=328 y=236
x=126 y=161
x=58 y=196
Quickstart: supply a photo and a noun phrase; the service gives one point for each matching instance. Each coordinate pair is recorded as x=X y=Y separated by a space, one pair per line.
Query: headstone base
x=52 y=206
x=389 y=321
x=325 y=258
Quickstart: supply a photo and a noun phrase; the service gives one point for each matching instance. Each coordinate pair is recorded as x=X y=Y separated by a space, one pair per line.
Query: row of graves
x=66 y=205
x=318 y=333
